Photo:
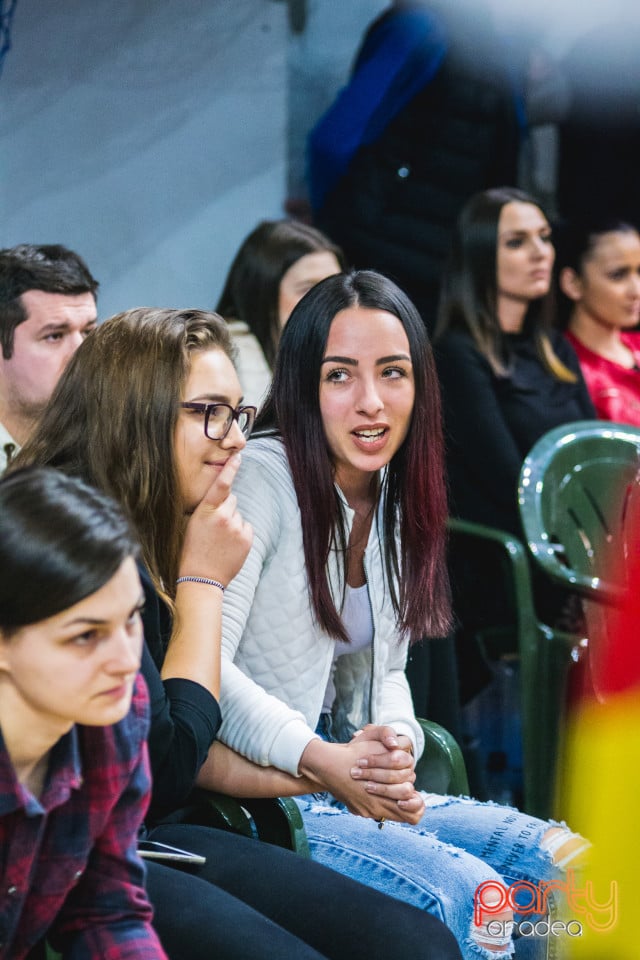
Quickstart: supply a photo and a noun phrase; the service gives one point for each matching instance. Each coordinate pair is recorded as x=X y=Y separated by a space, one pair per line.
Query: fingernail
x=356 y=772
x=371 y=786
x=235 y=459
x=363 y=763
x=391 y=741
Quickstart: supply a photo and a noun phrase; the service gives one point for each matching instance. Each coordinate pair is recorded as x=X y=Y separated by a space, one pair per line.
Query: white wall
x=148 y=135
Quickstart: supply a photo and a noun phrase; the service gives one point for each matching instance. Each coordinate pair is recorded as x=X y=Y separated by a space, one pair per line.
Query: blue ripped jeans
x=439 y=864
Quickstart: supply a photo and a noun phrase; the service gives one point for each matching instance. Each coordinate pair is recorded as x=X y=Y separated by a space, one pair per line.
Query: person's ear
x=570 y=283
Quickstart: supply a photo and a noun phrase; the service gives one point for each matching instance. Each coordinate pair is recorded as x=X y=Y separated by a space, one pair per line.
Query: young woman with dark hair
x=275 y=266
x=420 y=599
x=151 y=410
x=74 y=782
x=345 y=491
x=507 y=375
x=598 y=270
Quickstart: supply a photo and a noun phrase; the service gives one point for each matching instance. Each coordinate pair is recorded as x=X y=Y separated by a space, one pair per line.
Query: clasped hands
x=388 y=773
x=373 y=774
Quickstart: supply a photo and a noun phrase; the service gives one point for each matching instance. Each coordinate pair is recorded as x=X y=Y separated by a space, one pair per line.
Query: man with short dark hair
x=47 y=308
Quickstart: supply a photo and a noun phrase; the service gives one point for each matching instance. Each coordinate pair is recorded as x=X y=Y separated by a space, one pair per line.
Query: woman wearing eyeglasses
x=150 y=410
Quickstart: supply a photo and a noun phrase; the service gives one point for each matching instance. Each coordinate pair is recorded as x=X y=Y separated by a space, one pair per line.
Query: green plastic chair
x=579 y=494
x=544 y=654
x=272 y=820
x=441 y=768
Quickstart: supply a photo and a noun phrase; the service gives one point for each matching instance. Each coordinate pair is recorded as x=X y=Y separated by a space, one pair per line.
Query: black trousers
x=252 y=901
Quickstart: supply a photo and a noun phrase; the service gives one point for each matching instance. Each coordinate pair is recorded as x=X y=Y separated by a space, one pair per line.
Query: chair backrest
x=500 y=562
x=578 y=493
x=441 y=768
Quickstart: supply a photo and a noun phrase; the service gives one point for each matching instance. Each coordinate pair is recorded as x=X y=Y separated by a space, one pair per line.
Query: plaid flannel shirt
x=69 y=870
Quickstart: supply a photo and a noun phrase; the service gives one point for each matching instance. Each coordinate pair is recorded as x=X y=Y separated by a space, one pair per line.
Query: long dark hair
x=252 y=286
x=112 y=420
x=60 y=541
x=469 y=294
x=413 y=493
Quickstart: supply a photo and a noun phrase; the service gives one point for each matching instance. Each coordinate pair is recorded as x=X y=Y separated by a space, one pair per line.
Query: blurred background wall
x=151 y=135
x=147 y=135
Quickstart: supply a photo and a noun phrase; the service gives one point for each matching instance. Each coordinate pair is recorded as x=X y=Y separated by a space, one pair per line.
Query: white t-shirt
x=358 y=622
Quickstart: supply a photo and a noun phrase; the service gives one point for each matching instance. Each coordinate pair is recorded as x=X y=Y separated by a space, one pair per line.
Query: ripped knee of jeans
x=493 y=936
x=566 y=849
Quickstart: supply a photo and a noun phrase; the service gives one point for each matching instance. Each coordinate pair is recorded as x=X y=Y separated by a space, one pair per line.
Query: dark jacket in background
x=432 y=114
x=492 y=422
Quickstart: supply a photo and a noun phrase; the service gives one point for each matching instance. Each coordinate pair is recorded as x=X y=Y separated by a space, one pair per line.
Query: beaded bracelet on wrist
x=211 y=583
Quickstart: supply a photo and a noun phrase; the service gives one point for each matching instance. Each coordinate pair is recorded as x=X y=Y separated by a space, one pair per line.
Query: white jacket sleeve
x=256 y=724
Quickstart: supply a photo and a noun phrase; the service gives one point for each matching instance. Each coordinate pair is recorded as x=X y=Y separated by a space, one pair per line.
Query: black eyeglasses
x=218 y=418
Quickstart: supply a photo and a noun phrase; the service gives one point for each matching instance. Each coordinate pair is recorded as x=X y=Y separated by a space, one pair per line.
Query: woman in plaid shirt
x=74 y=779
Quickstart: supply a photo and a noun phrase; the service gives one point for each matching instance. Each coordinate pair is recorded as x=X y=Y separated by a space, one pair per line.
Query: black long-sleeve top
x=185 y=717
x=492 y=422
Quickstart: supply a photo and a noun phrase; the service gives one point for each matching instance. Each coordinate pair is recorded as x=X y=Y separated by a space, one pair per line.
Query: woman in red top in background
x=599 y=278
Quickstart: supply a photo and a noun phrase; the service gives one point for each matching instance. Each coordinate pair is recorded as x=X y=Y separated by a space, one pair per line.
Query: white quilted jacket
x=275 y=657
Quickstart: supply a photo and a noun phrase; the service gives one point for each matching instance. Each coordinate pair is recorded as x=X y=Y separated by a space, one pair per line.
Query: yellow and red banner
x=601 y=777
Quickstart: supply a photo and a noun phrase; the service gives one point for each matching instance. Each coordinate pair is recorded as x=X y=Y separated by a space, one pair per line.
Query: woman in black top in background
x=507 y=377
